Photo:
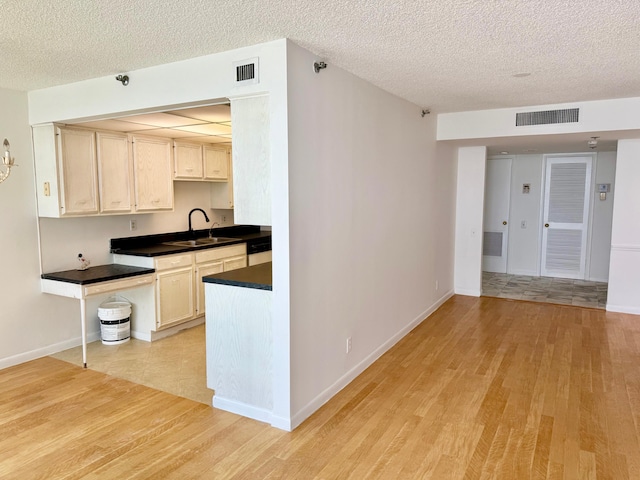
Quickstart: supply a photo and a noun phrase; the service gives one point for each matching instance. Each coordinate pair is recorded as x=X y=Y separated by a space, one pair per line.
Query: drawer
x=235 y=263
x=122 y=284
x=221 y=252
x=174 y=261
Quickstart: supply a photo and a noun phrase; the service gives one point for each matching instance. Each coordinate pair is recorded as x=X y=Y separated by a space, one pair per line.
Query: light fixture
x=317 y=66
x=593 y=143
x=425 y=111
x=124 y=79
x=7 y=162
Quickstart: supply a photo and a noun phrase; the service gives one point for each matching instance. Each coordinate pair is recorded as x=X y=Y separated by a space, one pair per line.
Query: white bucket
x=114 y=322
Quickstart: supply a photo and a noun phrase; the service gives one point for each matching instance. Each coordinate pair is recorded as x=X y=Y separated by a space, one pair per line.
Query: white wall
x=468 y=220
x=602 y=217
x=371 y=225
x=523 y=256
x=31 y=323
x=624 y=268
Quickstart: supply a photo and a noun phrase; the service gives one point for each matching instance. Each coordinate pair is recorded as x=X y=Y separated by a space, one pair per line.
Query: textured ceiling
x=445 y=54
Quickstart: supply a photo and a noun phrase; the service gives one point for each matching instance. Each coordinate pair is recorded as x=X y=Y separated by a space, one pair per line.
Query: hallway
x=565 y=291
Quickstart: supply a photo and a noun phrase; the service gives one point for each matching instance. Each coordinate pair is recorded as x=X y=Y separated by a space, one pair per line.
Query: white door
x=566 y=216
x=496 y=215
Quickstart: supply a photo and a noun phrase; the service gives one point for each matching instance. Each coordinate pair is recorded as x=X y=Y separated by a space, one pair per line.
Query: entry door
x=566 y=217
x=496 y=215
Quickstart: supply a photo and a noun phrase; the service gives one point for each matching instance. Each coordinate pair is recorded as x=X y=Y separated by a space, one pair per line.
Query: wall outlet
x=437 y=285
x=223 y=218
x=133 y=225
x=348 y=344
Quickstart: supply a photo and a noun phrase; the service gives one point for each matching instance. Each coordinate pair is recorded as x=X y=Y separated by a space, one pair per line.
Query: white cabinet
x=153 y=170
x=251 y=160
x=80 y=172
x=179 y=290
x=114 y=172
x=216 y=163
x=188 y=161
x=66 y=171
x=222 y=193
x=195 y=161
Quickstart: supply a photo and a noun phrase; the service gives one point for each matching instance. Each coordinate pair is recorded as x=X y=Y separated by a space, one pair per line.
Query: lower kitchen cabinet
x=179 y=291
x=174 y=296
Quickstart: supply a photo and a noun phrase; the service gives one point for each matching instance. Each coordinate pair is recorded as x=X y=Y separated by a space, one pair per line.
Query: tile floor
x=565 y=291
x=174 y=364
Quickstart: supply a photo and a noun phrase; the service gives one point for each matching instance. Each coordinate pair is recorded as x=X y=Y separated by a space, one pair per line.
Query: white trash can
x=115 y=326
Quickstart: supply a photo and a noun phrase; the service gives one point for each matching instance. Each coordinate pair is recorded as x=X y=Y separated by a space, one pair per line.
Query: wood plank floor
x=485 y=388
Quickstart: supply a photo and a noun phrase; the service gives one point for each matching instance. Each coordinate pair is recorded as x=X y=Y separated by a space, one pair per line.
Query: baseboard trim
x=468 y=292
x=45 y=351
x=623 y=309
x=239 y=408
x=306 y=411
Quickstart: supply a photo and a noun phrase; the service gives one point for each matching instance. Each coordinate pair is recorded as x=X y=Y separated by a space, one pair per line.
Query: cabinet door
x=188 y=161
x=216 y=163
x=202 y=271
x=114 y=172
x=222 y=192
x=77 y=170
x=153 y=173
x=234 y=263
x=174 y=293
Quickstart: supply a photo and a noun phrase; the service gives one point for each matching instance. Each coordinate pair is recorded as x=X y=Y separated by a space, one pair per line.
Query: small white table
x=97 y=280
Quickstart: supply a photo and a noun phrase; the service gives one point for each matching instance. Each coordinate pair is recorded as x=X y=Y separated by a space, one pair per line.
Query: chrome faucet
x=191 y=232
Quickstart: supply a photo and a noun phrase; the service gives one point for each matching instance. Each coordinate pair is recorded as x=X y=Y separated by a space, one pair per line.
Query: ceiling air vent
x=568 y=115
x=246 y=71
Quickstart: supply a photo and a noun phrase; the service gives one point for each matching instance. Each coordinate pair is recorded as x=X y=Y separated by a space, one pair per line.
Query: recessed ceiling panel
x=116 y=125
x=211 y=113
x=207 y=129
x=164 y=120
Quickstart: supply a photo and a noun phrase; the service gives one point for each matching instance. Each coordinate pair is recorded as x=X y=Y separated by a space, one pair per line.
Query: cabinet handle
x=546 y=225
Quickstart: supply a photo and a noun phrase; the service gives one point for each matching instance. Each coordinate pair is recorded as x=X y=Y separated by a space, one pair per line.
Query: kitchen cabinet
x=179 y=291
x=80 y=172
x=114 y=172
x=216 y=260
x=66 y=171
x=251 y=160
x=195 y=161
x=216 y=163
x=188 y=161
x=222 y=193
x=153 y=173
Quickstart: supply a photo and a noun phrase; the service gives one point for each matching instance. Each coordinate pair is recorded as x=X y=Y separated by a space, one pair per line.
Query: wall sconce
x=7 y=162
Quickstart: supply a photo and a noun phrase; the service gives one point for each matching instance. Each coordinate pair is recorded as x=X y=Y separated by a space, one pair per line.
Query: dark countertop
x=100 y=273
x=154 y=245
x=258 y=276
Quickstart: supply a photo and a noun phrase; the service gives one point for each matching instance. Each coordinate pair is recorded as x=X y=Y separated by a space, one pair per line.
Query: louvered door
x=566 y=214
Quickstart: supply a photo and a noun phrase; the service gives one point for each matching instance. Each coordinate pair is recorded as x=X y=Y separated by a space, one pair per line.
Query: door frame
x=505 y=242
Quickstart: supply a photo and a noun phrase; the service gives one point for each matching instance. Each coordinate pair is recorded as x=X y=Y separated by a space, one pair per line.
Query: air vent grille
x=547 y=117
x=246 y=71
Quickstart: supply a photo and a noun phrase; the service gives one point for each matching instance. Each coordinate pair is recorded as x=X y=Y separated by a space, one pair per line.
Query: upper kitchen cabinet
x=114 y=172
x=153 y=170
x=195 y=161
x=66 y=171
x=222 y=192
x=251 y=160
x=80 y=172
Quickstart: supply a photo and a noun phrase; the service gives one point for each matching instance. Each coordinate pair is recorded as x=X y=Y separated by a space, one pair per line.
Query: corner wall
x=371 y=225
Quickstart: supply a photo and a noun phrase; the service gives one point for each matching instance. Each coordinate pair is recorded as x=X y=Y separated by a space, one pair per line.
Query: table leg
x=83 y=321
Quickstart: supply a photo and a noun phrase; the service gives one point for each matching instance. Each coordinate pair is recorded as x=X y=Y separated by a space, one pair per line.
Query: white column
x=624 y=266
x=469 y=217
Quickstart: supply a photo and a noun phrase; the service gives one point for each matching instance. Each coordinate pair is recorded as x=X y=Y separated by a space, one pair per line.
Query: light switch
x=523 y=224
x=47 y=189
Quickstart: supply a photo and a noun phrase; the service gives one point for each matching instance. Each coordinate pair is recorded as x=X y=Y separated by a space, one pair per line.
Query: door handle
x=504 y=222
x=546 y=225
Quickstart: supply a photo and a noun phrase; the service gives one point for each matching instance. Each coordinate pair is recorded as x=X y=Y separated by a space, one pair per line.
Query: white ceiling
x=448 y=55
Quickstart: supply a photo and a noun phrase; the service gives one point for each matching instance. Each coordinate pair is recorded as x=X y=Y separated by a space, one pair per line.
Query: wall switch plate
x=348 y=344
x=523 y=224
x=47 y=189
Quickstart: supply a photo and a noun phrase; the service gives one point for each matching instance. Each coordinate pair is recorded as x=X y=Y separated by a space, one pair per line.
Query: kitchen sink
x=201 y=241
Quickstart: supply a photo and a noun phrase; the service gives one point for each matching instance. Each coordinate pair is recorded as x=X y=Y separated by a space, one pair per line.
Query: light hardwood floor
x=484 y=388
